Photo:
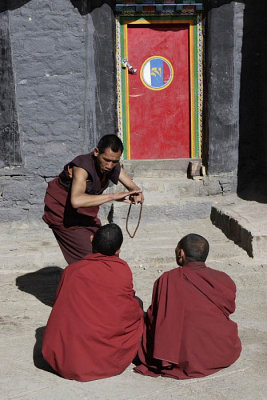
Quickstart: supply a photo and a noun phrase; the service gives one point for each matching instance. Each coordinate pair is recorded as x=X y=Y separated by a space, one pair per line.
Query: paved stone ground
x=30 y=269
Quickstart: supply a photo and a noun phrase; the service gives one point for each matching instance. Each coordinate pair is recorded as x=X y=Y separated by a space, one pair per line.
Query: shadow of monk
x=42 y=284
x=38 y=358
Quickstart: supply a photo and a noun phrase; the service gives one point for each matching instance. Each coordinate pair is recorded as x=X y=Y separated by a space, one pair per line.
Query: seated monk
x=188 y=332
x=96 y=324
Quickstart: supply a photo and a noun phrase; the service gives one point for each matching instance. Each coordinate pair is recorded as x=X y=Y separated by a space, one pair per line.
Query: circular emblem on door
x=156 y=73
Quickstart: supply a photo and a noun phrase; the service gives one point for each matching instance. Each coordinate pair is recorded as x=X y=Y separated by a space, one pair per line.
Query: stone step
x=157 y=168
x=152 y=249
x=33 y=246
x=168 y=211
x=165 y=189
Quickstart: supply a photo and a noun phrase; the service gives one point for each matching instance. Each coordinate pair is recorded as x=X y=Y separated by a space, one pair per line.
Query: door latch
x=126 y=64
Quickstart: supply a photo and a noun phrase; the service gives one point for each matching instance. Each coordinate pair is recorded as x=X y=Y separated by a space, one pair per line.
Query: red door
x=159 y=91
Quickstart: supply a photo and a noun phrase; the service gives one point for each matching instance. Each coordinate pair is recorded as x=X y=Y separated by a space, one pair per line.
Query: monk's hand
x=126 y=196
x=137 y=197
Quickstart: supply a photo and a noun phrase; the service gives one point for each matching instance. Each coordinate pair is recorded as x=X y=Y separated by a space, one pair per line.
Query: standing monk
x=73 y=198
x=188 y=332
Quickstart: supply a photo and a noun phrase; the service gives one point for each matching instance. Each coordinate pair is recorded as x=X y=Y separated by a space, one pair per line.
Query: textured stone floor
x=30 y=268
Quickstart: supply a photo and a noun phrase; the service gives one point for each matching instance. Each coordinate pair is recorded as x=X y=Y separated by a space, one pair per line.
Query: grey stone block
x=246 y=224
x=156 y=168
x=16 y=214
x=220 y=184
x=22 y=190
x=182 y=210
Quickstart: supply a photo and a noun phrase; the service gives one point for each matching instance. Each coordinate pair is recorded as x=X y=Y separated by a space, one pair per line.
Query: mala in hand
x=138 y=223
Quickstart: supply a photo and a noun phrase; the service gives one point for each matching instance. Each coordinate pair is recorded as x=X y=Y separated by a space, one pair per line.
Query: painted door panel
x=159 y=119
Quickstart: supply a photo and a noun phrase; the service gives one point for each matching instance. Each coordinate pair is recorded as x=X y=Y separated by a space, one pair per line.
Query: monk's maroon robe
x=96 y=323
x=74 y=227
x=188 y=332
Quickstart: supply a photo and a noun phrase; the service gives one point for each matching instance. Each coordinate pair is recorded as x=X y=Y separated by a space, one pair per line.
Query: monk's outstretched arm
x=130 y=185
x=81 y=199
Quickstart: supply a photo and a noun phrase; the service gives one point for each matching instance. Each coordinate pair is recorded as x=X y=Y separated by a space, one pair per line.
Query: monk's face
x=108 y=160
x=180 y=256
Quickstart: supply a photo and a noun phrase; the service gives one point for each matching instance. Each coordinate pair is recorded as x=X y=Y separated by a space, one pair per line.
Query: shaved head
x=112 y=142
x=195 y=247
x=107 y=240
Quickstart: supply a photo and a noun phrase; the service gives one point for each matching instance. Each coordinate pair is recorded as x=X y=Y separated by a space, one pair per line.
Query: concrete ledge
x=157 y=168
x=193 y=208
x=244 y=222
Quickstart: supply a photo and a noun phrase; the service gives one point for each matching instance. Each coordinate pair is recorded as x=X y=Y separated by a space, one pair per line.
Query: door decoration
x=156 y=73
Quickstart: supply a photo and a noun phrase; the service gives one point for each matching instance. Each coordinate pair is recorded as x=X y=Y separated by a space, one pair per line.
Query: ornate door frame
x=123 y=20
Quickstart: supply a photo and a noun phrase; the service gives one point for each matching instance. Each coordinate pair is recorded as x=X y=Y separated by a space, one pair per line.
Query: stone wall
x=60 y=64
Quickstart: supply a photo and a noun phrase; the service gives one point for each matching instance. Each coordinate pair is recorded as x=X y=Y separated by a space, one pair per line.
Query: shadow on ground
x=38 y=358
x=42 y=284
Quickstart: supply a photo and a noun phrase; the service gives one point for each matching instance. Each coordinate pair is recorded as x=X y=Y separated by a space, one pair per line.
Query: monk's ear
x=117 y=253
x=91 y=237
x=182 y=254
x=96 y=152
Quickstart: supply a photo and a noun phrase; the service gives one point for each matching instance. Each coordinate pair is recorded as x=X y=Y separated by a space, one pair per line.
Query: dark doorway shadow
x=38 y=358
x=42 y=284
x=12 y=4
x=252 y=168
x=86 y=6
x=209 y=4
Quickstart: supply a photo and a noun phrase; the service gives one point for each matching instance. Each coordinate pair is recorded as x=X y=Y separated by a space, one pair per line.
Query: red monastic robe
x=74 y=227
x=96 y=323
x=188 y=333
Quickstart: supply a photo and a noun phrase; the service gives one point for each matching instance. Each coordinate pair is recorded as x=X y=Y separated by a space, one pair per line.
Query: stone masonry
x=62 y=101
